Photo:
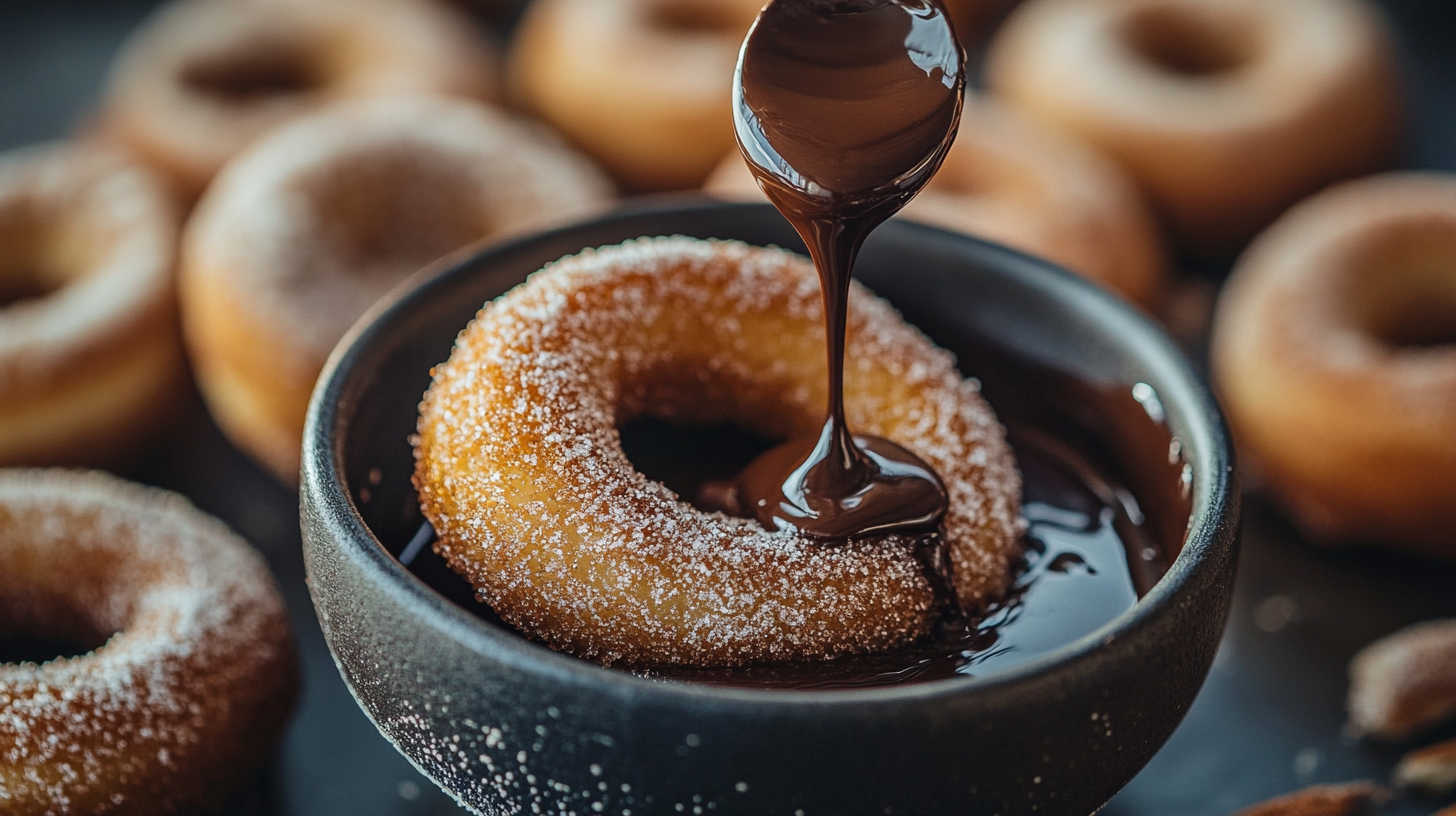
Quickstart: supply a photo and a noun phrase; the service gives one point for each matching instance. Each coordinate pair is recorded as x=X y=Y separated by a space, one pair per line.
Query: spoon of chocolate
x=844 y=109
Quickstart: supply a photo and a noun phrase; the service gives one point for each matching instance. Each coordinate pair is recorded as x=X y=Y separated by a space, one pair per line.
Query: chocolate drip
x=844 y=109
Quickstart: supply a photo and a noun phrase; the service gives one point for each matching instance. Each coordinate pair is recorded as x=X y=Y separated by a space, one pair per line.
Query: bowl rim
x=1213 y=522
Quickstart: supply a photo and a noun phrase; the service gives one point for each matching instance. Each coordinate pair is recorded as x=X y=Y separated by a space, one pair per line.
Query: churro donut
x=1225 y=111
x=1007 y=180
x=316 y=221
x=90 y=357
x=204 y=78
x=521 y=470
x=192 y=675
x=1334 y=349
x=643 y=86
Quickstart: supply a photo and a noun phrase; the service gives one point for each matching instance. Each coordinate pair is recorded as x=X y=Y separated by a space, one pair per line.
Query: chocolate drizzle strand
x=844 y=109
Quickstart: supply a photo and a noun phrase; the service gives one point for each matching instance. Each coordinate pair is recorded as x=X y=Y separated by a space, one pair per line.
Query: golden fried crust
x=1331 y=353
x=1225 y=112
x=184 y=702
x=521 y=469
x=204 y=78
x=643 y=86
x=91 y=363
x=312 y=224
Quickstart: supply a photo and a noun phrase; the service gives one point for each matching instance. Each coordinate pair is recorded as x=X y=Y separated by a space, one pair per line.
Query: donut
x=642 y=86
x=203 y=78
x=312 y=224
x=90 y=357
x=1224 y=111
x=192 y=674
x=1334 y=350
x=1007 y=180
x=520 y=467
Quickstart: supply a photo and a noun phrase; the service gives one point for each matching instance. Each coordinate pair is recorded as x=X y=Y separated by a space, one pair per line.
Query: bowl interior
x=1055 y=357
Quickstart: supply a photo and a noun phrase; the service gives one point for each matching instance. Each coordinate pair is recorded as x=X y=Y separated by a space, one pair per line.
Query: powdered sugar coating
x=85 y=364
x=305 y=230
x=189 y=694
x=202 y=79
x=1332 y=356
x=313 y=224
x=521 y=469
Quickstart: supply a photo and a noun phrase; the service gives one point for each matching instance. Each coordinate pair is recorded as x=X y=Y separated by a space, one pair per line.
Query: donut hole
x=1423 y=325
x=253 y=75
x=688 y=17
x=23 y=648
x=397 y=212
x=39 y=628
x=1408 y=299
x=1190 y=42
x=24 y=284
x=32 y=266
x=690 y=459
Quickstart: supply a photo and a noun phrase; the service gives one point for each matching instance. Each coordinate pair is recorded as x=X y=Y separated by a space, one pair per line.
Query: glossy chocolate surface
x=1088 y=558
x=844 y=109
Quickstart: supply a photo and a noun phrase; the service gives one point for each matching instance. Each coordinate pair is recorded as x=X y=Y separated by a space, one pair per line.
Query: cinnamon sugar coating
x=1331 y=353
x=520 y=466
x=90 y=356
x=184 y=701
x=202 y=79
x=313 y=223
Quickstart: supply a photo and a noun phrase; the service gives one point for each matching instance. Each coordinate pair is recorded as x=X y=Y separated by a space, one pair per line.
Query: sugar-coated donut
x=1225 y=111
x=203 y=78
x=1333 y=352
x=195 y=675
x=1008 y=180
x=319 y=219
x=643 y=86
x=521 y=471
x=90 y=356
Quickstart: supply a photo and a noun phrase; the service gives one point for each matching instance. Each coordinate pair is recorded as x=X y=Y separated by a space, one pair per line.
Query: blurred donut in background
x=1334 y=351
x=643 y=86
x=203 y=78
x=308 y=227
x=1224 y=111
x=90 y=357
x=1008 y=180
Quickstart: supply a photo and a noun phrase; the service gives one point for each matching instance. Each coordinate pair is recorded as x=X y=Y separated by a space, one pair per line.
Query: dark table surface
x=1268 y=721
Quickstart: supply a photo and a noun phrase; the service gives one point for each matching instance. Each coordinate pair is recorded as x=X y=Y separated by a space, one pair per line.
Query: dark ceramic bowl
x=509 y=726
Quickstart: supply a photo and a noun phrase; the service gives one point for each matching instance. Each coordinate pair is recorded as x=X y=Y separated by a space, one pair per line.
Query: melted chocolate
x=1089 y=556
x=844 y=109
x=1106 y=496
